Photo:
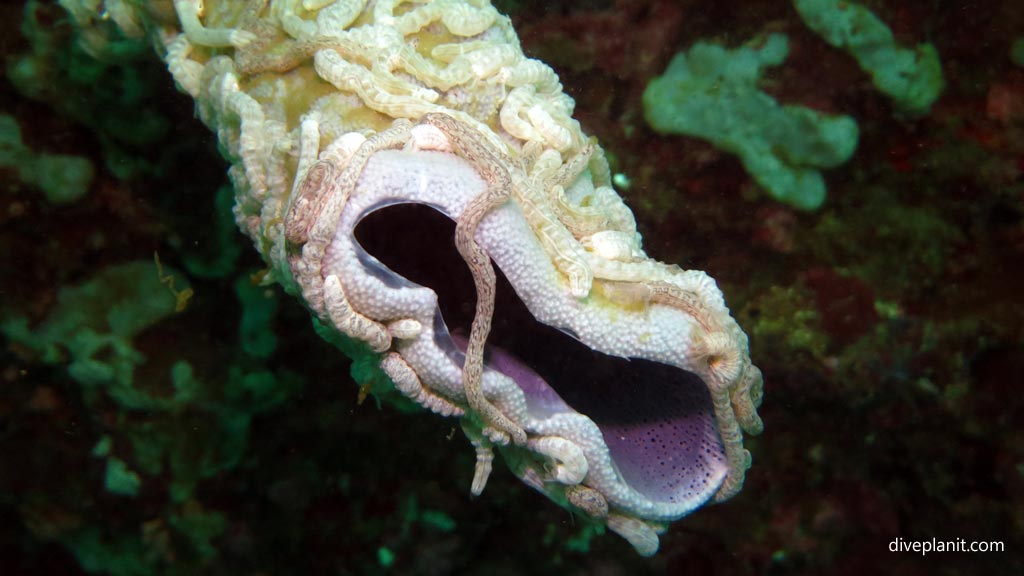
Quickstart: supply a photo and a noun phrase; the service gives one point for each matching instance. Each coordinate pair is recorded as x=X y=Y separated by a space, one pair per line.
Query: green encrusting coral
x=712 y=92
x=62 y=178
x=93 y=326
x=169 y=428
x=84 y=82
x=912 y=78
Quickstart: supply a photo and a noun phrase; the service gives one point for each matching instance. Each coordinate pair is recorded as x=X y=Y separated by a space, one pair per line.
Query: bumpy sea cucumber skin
x=448 y=183
x=343 y=92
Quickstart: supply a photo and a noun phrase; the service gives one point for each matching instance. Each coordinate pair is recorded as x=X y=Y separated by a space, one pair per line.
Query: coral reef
x=711 y=93
x=912 y=78
x=887 y=323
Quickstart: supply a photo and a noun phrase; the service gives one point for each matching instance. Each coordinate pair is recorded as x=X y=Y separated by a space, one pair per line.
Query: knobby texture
x=329 y=110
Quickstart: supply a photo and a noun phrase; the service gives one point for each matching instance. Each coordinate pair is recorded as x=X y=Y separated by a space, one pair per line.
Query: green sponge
x=711 y=92
x=93 y=326
x=912 y=78
x=62 y=178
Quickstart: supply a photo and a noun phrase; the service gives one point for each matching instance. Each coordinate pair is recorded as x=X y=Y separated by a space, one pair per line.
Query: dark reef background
x=889 y=325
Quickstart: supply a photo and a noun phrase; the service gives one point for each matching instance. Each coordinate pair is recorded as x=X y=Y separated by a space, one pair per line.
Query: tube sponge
x=711 y=92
